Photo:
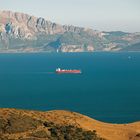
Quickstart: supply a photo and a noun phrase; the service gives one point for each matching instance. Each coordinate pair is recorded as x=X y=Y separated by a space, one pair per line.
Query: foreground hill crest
x=22 y=32
x=65 y=125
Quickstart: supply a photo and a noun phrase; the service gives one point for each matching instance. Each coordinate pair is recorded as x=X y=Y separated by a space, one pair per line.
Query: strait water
x=108 y=88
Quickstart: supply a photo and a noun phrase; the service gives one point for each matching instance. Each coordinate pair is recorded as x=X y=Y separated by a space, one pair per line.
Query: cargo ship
x=59 y=71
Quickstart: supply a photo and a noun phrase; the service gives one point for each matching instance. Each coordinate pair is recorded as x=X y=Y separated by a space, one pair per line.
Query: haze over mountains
x=24 y=33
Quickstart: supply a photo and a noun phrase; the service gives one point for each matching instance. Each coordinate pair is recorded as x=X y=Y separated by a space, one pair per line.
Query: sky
x=103 y=15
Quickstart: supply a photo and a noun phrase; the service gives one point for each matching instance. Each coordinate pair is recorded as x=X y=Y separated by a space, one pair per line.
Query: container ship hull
x=61 y=71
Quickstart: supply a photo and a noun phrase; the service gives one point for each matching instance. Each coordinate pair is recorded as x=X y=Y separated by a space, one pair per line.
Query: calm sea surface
x=108 y=88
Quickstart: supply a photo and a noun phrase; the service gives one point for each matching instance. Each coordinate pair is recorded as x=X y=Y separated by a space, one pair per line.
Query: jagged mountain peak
x=33 y=25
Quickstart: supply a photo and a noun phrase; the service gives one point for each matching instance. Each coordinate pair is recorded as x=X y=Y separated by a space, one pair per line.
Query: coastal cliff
x=21 y=32
x=61 y=125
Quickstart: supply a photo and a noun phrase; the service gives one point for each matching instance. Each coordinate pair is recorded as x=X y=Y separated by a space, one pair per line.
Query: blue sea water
x=108 y=88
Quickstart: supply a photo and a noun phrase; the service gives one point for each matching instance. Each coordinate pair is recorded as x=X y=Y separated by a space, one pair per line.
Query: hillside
x=61 y=125
x=134 y=47
x=20 y=32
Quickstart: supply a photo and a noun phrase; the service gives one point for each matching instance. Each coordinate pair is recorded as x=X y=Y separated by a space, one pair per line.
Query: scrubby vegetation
x=20 y=126
x=70 y=132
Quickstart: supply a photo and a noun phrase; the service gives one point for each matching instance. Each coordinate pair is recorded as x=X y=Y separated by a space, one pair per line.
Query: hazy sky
x=97 y=14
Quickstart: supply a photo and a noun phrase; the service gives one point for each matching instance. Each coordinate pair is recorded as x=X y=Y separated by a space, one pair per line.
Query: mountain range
x=21 y=32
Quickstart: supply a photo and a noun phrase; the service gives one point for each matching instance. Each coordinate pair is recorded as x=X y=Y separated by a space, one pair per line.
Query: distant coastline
x=28 y=52
x=37 y=34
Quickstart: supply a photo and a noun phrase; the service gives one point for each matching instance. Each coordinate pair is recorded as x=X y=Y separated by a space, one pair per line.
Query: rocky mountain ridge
x=26 y=26
x=24 y=33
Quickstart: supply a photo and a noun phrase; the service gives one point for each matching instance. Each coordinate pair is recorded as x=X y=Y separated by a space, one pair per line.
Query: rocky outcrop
x=26 y=26
x=76 y=48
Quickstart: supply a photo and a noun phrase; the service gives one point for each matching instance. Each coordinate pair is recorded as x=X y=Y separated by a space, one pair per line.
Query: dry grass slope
x=61 y=125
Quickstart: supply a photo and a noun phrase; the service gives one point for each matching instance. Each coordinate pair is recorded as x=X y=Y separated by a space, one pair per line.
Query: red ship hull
x=68 y=71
